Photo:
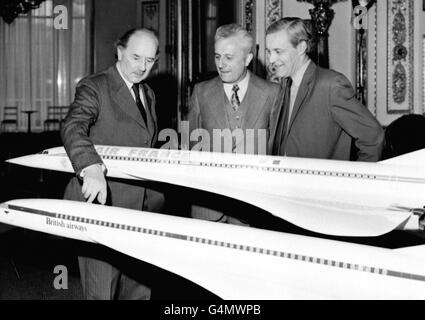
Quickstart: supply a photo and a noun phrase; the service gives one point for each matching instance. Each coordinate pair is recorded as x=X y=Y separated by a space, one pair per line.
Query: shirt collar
x=299 y=74
x=243 y=84
x=128 y=83
x=243 y=87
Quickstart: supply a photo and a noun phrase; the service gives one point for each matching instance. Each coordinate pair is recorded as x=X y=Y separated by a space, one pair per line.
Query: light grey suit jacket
x=208 y=111
x=208 y=106
x=326 y=117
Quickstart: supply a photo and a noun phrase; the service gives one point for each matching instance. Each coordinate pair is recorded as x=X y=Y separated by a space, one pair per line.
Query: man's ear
x=302 y=47
x=248 y=59
x=119 y=53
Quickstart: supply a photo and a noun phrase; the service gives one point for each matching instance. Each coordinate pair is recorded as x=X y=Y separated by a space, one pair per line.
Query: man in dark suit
x=317 y=115
x=113 y=107
x=237 y=101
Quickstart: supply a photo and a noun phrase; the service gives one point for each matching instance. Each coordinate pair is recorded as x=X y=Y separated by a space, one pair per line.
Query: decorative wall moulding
x=400 y=63
x=274 y=11
x=366 y=63
x=374 y=79
x=249 y=14
x=366 y=60
x=423 y=73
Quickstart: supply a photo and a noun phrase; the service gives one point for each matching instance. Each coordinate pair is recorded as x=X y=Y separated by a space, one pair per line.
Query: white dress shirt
x=296 y=82
x=243 y=88
x=130 y=86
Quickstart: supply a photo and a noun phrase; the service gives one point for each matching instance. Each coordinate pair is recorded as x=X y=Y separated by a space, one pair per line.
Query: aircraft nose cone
x=4 y=212
x=24 y=161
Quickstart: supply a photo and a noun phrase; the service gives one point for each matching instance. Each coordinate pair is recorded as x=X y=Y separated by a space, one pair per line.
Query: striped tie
x=235 y=99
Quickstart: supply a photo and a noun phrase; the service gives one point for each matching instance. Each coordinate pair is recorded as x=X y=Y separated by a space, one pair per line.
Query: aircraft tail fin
x=409 y=159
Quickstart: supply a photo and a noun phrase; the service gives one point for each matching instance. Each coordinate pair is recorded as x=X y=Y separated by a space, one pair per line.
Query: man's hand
x=94 y=184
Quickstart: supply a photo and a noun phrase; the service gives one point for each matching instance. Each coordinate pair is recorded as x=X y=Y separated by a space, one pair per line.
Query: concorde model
x=233 y=262
x=326 y=196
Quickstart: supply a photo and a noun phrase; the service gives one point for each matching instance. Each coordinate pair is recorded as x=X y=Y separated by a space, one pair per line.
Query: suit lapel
x=122 y=97
x=151 y=115
x=216 y=102
x=276 y=111
x=255 y=98
x=305 y=88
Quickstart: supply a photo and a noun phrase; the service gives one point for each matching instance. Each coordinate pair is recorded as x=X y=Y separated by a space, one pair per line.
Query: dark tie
x=139 y=103
x=235 y=99
x=282 y=120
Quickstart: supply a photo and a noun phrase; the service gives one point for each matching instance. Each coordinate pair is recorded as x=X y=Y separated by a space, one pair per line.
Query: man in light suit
x=235 y=100
x=317 y=115
x=113 y=107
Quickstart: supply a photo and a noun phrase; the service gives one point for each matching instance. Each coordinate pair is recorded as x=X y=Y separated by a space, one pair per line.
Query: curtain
x=41 y=63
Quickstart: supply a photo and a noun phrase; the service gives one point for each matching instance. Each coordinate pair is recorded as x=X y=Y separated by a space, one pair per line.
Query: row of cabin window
x=298 y=171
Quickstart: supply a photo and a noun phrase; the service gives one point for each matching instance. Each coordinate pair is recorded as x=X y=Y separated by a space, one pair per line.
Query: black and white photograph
x=212 y=154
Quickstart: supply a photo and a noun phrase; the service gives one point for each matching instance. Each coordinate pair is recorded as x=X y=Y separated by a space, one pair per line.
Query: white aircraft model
x=326 y=196
x=231 y=261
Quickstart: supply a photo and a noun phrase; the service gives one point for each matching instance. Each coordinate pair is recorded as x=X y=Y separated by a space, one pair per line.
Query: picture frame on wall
x=149 y=15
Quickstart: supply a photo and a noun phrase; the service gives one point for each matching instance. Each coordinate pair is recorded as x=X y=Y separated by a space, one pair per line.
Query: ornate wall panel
x=249 y=14
x=366 y=63
x=273 y=11
x=361 y=66
x=374 y=78
x=400 y=63
x=423 y=73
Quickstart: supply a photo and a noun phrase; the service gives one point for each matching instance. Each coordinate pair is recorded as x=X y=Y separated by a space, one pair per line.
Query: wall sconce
x=10 y=9
x=321 y=17
x=365 y=3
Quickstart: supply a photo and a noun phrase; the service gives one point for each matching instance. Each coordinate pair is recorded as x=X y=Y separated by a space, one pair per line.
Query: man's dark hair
x=298 y=30
x=123 y=40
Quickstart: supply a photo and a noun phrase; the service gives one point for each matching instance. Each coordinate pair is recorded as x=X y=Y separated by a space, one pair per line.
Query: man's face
x=138 y=58
x=231 y=59
x=283 y=58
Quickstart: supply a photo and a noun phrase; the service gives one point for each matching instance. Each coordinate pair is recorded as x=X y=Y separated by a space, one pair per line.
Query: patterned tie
x=282 y=121
x=235 y=99
x=139 y=103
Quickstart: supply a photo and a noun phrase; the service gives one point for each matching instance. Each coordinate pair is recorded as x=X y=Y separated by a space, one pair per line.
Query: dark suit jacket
x=326 y=117
x=207 y=108
x=104 y=112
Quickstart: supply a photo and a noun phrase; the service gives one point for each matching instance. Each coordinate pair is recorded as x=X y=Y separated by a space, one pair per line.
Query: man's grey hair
x=235 y=30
